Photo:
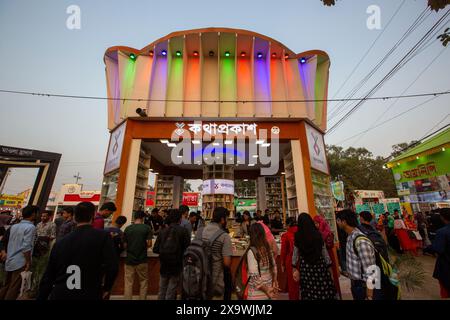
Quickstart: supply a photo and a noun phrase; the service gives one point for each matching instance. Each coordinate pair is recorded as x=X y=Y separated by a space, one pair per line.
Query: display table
x=153 y=274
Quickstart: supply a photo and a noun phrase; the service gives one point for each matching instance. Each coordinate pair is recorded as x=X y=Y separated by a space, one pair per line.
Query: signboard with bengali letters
x=214 y=128
x=11 y=200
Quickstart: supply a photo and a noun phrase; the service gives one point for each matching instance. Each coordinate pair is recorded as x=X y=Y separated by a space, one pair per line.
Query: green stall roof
x=436 y=141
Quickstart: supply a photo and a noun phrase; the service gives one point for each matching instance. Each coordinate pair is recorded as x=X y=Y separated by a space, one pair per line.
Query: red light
x=151 y=53
x=286 y=56
x=243 y=54
x=195 y=53
x=274 y=55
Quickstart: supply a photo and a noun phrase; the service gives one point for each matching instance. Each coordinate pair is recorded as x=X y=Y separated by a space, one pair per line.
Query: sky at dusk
x=39 y=53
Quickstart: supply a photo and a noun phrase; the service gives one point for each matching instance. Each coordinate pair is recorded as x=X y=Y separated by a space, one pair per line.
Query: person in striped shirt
x=360 y=257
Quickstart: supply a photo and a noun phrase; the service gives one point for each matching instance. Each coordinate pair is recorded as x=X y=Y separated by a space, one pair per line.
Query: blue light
x=200 y=153
x=164 y=52
x=302 y=60
x=259 y=55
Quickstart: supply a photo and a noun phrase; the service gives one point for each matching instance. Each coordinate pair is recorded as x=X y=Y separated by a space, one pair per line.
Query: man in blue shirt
x=441 y=246
x=19 y=250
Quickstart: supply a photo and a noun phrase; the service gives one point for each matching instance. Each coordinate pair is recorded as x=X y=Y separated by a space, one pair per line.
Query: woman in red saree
x=328 y=239
x=401 y=228
x=287 y=250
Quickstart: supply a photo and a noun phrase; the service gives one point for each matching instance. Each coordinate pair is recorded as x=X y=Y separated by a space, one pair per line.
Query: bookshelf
x=109 y=187
x=168 y=191
x=272 y=194
x=323 y=198
x=291 y=191
x=212 y=201
x=140 y=193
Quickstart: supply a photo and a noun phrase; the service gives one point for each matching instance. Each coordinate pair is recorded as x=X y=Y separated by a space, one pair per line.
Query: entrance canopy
x=216 y=73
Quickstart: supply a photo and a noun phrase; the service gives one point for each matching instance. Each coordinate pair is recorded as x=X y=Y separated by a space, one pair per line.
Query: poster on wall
x=150 y=199
x=190 y=199
x=115 y=149
x=378 y=208
x=338 y=190
x=218 y=186
x=316 y=148
x=245 y=205
x=362 y=207
x=391 y=206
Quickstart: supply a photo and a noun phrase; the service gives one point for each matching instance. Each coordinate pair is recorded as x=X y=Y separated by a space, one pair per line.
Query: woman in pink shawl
x=328 y=239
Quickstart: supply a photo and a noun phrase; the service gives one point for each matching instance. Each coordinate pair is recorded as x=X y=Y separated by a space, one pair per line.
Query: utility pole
x=77 y=177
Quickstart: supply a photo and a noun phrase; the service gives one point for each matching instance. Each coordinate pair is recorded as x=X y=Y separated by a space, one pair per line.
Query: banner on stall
x=338 y=190
x=190 y=199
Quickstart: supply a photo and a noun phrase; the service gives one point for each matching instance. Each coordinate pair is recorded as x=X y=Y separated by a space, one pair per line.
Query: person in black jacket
x=83 y=264
x=171 y=245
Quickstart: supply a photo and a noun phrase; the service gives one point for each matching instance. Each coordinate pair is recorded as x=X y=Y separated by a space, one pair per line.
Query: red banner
x=150 y=201
x=190 y=199
x=82 y=197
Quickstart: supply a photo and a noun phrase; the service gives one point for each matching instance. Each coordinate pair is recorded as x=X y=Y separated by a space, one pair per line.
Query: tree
x=399 y=148
x=359 y=169
x=445 y=37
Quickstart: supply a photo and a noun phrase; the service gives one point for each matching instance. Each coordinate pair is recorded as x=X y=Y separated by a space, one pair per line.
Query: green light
x=132 y=56
x=227 y=53
x=178 y=53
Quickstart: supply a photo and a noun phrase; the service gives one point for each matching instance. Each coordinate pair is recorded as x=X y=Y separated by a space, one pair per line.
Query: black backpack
x=377 y=240
x=169 y=248
x=197 y=268
x=390 y=290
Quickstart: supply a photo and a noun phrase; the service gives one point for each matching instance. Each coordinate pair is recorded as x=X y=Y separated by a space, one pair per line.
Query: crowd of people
x=82 y=252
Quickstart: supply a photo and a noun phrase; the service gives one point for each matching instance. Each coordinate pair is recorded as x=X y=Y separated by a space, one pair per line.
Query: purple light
x=164 y=53
x=302 y=60
x=259 y=55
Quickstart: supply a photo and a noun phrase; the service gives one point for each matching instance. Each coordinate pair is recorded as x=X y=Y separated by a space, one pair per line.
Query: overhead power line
x=388 y=120
x=221 y=101
x=369 y=49
x=419 y=20
x=394 y=70
x=406 y=89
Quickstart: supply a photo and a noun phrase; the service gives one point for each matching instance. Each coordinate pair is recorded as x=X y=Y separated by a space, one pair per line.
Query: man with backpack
x=360 y=257
x=366 y=227
x=206 y=259
x=171 y=245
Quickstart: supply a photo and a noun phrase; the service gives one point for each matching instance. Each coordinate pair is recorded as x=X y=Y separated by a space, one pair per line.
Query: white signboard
x=214 y=128
x=218 y=186
x=115 y=149
x=316 y=147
